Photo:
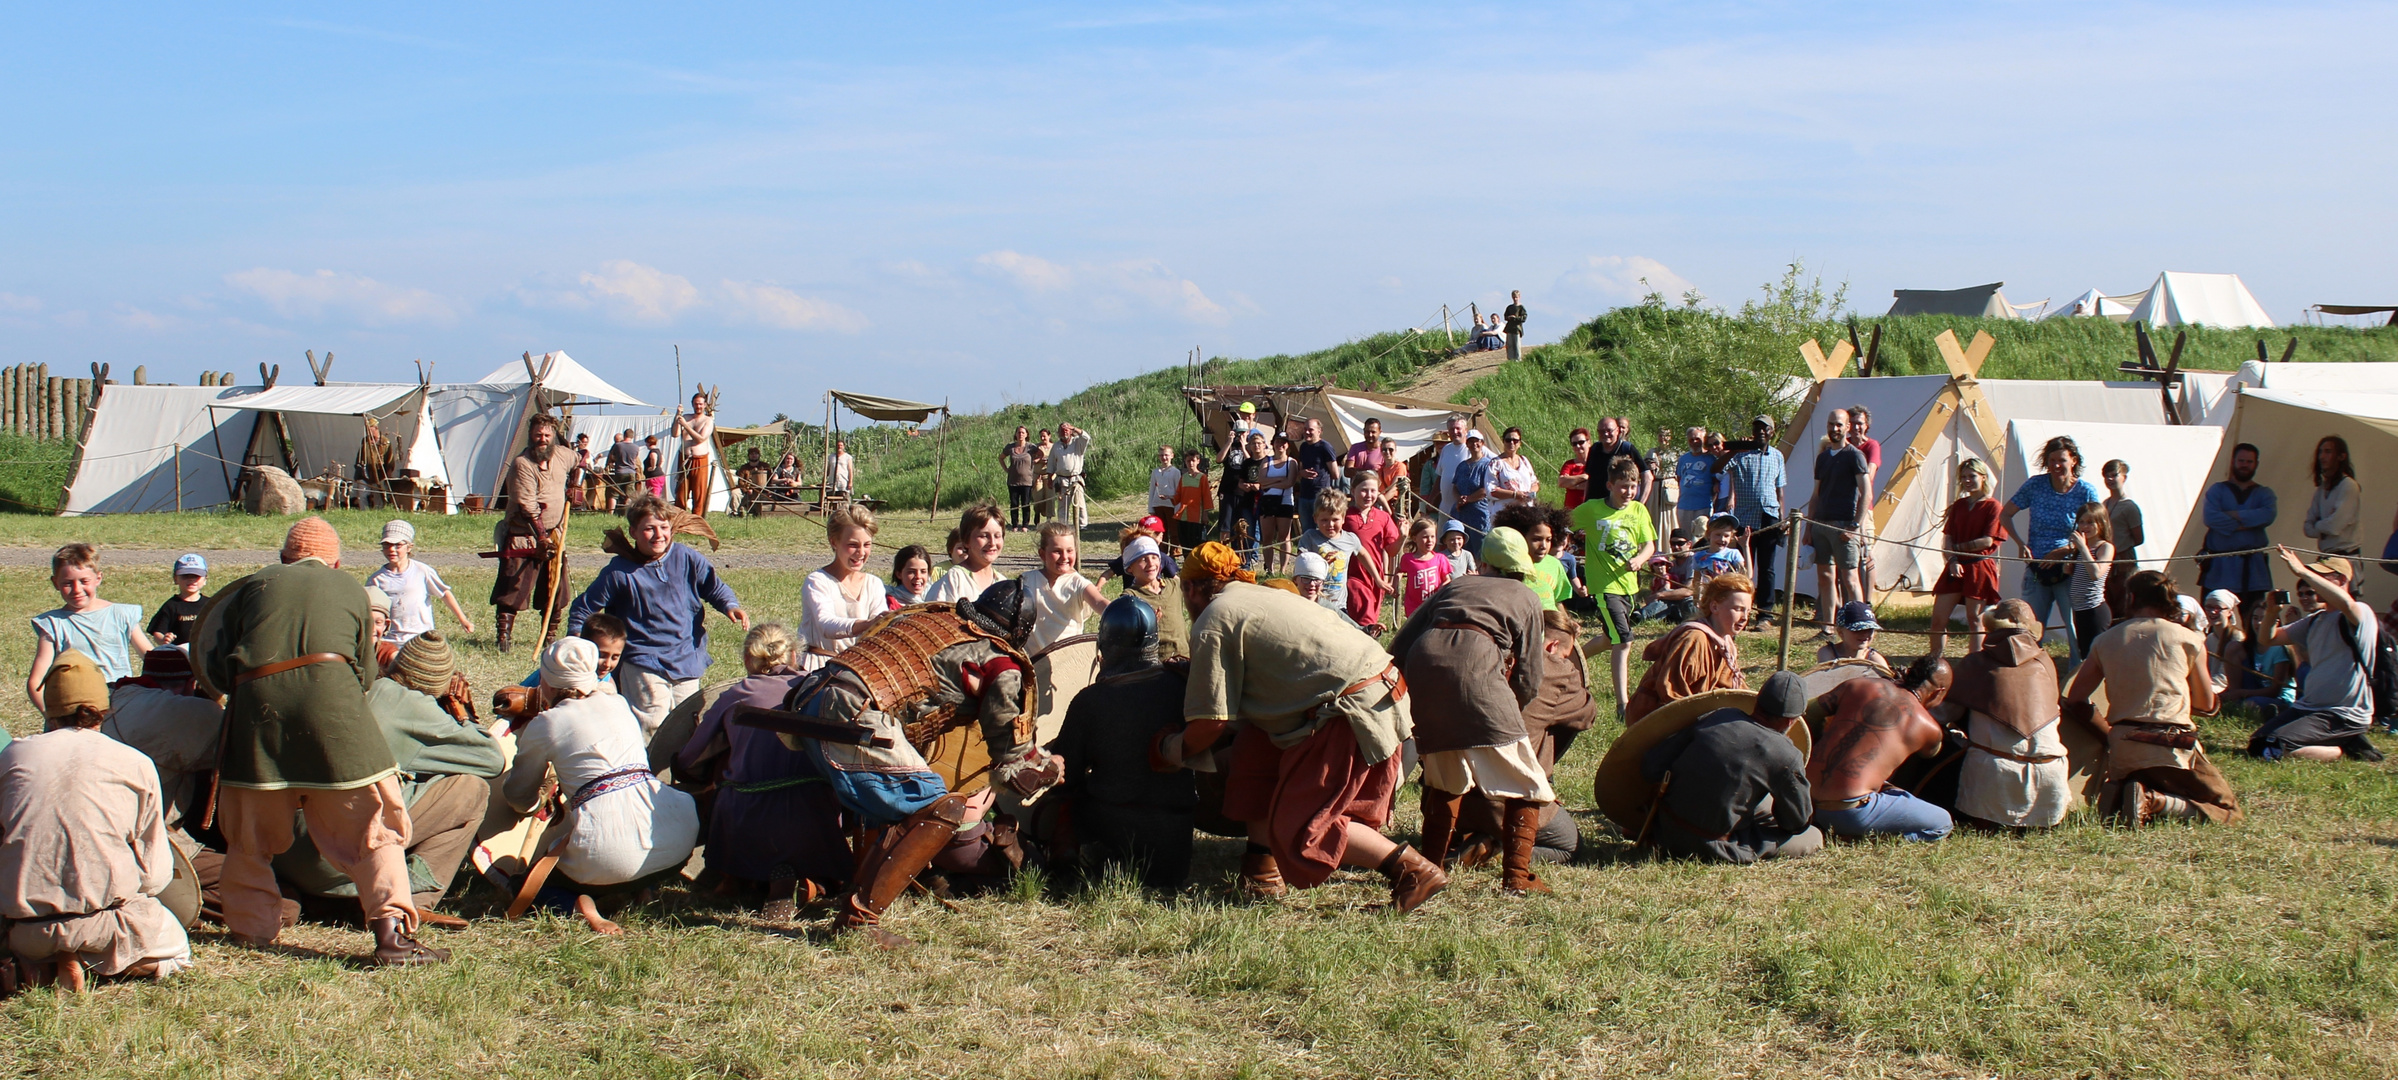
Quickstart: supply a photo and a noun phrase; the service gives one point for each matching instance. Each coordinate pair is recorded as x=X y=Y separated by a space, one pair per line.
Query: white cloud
x=151 y=321
x=1622 y=278
x=1030 y=272
x=774 y=305
x=328 y=292
x=1162 y=289
x=22 y=304
x=640 y=293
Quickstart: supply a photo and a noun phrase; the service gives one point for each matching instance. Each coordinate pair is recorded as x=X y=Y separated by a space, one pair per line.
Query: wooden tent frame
x=832 y=416
x=1961 y=397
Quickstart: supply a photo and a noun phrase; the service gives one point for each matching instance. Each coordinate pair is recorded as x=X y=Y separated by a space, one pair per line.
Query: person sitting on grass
x=2335 y=699
x=773 y=823
x=2227 y=659
x=83 y=846
x=1739 y=789
x=179 y=615
x=1125 y=813
x=1856 y=628
x=622 y=831
x=981 y=536
x=2154 y=672
x=1700 y=655
x=110 y=634
x=1671 y=595
x=1059 y=597
x=1868 y=727
x=2004 y=697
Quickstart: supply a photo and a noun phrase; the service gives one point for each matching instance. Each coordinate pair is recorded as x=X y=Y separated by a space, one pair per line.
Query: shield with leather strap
x=1062 y=670
x=893 y=660
x=1622 y=793
x=181 y=897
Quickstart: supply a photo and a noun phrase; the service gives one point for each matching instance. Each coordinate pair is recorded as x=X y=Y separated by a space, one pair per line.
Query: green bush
x=33 y=473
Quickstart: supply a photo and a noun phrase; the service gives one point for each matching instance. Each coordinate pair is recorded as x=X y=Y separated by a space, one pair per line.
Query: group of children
x=114 y=635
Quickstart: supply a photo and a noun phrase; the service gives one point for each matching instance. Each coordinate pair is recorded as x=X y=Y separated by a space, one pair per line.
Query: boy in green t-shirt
x=1543 y=529
x=1617 y=539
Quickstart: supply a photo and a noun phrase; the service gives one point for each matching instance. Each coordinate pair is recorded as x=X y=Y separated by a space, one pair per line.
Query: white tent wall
x=129 y=463
x=325 y=424
x=2167 y=475
x=566 y=381
x=1412 y=429
x=603 y=429
x=478 y=424
x=2284 y=427
x=2184 y=299
x=1900 y=406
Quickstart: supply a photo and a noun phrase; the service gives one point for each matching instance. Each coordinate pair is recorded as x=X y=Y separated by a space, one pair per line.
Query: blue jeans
x=1307 y=515
x=1890 y=810
x=2047 y=600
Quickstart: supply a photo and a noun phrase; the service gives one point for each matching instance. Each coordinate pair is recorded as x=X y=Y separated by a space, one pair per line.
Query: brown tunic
x=532 y=489
x=1690 y=660
x=1472 y=658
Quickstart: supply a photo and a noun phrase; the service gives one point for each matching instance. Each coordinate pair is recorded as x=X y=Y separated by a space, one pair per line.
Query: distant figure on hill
x=1515 y=325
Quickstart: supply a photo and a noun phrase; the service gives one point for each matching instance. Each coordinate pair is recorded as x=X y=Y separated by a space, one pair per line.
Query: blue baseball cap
x=1857 y=615
x=191 y=563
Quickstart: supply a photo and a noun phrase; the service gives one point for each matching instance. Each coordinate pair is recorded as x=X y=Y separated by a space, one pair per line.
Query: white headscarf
x=571 y=663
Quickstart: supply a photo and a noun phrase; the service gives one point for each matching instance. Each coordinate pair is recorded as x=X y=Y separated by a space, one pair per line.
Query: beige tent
x=2284 y=426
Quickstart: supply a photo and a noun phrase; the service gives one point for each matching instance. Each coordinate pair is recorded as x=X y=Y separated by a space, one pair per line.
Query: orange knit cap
x=1213 y=562
x=312 y=538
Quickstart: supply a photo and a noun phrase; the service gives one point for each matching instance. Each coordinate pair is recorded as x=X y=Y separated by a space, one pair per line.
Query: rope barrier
x=1945 y=553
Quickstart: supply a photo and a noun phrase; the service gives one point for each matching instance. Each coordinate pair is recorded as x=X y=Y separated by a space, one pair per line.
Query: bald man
x=1867 y=727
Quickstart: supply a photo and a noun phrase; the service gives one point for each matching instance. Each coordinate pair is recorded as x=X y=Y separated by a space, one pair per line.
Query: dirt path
x=1443 y=380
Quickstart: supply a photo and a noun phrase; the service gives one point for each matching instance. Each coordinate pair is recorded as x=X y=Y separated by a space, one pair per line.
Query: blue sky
x=1004 y=203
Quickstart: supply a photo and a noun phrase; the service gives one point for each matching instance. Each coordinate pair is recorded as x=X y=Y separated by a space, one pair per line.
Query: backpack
x=2381 y=674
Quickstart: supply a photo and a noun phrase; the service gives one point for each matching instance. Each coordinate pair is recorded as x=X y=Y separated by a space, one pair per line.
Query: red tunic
x=1379 y=535
x=1971 y=577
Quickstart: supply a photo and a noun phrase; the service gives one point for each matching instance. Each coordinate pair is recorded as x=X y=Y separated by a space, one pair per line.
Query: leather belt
x=293 y=664
x=1845 y=804
x=1389 y=676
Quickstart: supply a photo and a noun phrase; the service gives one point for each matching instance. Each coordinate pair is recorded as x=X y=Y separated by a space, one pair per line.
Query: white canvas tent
x=603 y=429
x=2284 y=427
x=567 y=382
x=2184 y=299
x=143 y=438
x=2166 y=474
x=2095 y=304
x=1927 y=425
x=2329 y=380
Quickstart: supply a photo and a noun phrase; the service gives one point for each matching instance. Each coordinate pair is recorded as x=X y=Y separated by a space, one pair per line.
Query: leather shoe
x=1414 y=879
x=396 y=947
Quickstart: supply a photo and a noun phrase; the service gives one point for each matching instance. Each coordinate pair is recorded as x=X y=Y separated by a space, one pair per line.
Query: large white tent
x=2319 y=380
x=603 y=429
x=1927 y=425
x=2095 y=304
x=565 y=382
x=325 y=424
x=2284 y=426
x=2184 y=299
x=153 y=449
x=2165 y=474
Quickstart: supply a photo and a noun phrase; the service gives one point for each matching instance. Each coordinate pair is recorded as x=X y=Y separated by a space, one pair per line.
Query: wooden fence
x=35 y=403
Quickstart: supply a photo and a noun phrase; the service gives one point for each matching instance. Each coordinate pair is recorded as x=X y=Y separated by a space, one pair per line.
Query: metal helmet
x=1127 y=637
x=1000 y=609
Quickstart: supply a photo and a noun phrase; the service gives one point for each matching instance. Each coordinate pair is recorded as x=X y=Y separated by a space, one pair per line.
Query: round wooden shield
x=182 y=894
x=1622 y=793
x=1062 y=670
x=1820 y=679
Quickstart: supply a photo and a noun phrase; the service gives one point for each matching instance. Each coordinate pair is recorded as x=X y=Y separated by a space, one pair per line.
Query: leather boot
x=1261 y=877
x=1515 y=862
x=396 y=947
x=1440 y=823
x=503 y=627
x=1414 y=878
x=903 y=851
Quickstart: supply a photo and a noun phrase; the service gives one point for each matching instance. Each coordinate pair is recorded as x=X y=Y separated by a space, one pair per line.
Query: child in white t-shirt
x=1061 y=598
x=412 y=586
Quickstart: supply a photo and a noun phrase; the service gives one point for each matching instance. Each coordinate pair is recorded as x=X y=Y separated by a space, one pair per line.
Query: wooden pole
x=51 y=394
x=1789 y=583
x=8 y=399
x=824 y=464
x=940 y=460
x=178 y=460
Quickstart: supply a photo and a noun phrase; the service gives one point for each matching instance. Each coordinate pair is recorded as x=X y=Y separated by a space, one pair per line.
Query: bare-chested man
x=1868 y=727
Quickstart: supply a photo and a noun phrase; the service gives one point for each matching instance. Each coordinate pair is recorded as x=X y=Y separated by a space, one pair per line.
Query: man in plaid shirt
x=1758 y=474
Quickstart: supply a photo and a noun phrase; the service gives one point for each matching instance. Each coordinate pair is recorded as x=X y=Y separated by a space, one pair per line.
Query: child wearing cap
x=179 y=615
x=412 y=586
x=1452 y=546
x=111 y=634
x=1856 y=629
x=1719 y=556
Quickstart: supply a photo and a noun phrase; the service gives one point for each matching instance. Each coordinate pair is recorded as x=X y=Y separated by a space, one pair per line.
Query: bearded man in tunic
x=293 y=647
x=533 y=532
x=1322 y=711
x=83 y=845
x=2014 y=774
x=1472 y=654
x=378 y=462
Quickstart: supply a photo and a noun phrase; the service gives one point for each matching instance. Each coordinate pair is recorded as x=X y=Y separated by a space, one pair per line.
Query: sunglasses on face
x=1512 y=440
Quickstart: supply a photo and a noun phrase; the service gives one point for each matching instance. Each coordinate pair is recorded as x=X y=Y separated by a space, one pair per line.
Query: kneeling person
x=1739 y=790
x=623 y=830
x=1870 y=726
x=1473 y=659
x=1123 y=813
x=83 y=845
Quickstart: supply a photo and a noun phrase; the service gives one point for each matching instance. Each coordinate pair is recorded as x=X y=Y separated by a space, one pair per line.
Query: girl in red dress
x=1973 y=531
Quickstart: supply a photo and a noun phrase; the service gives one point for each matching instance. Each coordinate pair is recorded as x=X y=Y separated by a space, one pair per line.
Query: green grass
x=2266 y=950
x=33 y=472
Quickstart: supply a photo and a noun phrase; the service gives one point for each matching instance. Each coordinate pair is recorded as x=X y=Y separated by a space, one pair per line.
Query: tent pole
x=178 y=463
x=230 y=491
x=940 y=460
x=824 y=466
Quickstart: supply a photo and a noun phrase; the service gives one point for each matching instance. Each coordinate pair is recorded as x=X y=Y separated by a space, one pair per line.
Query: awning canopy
x=380 y=401
x=727 y=436
x=886 y=408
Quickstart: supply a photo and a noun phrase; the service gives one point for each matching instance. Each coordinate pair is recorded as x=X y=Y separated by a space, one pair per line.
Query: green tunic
x=431 y=745
x=308 y=727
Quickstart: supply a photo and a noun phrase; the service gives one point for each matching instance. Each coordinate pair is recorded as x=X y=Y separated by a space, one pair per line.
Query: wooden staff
x=557 y=569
